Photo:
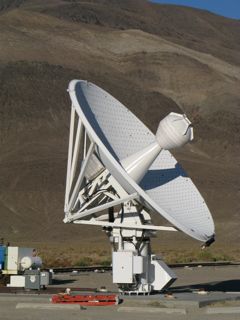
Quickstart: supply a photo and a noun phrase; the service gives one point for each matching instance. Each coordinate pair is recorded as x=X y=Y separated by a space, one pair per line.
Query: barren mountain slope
x=196 y=29
x=152 y=72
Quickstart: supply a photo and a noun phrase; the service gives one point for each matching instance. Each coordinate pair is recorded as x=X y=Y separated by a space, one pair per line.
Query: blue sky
x=227 y=8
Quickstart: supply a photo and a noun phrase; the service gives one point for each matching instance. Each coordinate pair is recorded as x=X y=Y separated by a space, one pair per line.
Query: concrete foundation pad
x=48 y=306
x=186 y=300
x=223 y=310
x=180 y=300
x=25 y=298
x=152 y=310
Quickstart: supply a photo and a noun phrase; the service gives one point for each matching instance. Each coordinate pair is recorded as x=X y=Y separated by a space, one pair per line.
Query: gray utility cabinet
x=45 y=278
x=35 y=279
x=32 y=279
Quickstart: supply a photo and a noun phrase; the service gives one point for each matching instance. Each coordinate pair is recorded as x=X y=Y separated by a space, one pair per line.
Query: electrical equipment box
x=46 y=278
x=32 y=279
x=2 y=256
x=17 y=282
x=122 y=266
x=137 y=264
x=13 y=259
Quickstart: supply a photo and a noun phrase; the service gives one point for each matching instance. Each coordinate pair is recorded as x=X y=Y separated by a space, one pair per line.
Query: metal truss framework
x=88 y=195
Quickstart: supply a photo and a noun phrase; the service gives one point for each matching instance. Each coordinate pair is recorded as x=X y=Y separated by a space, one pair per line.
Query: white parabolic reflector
x=118 y=133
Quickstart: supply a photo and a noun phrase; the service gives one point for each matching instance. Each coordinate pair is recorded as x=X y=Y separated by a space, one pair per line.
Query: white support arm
x=102 y=207
x=76 y=151
x=81 y=177
x=69 y=156
x=124 y=225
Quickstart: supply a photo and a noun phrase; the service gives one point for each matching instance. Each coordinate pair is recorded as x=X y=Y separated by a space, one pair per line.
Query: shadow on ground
x=61 y=281
x=224 y=286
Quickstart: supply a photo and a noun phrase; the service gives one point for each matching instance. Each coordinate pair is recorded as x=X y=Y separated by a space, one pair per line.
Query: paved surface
x=183 y=305
x=224 y=278
x=11 y=310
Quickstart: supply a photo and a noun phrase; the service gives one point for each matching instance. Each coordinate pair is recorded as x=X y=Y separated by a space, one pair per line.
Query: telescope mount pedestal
x=135 y=269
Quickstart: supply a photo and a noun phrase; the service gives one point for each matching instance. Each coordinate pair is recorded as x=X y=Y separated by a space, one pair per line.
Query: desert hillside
x=154 y=59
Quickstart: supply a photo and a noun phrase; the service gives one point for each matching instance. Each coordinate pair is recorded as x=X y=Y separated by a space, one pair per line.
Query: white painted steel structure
x=114 y=159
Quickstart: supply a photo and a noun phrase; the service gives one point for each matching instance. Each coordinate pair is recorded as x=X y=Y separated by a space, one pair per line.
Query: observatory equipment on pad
x=114 y=160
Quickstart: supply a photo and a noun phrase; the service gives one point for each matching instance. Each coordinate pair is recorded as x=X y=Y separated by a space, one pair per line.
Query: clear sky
x=227 y=8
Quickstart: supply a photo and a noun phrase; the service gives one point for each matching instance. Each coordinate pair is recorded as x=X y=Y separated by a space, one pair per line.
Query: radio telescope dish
x=115 y=159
